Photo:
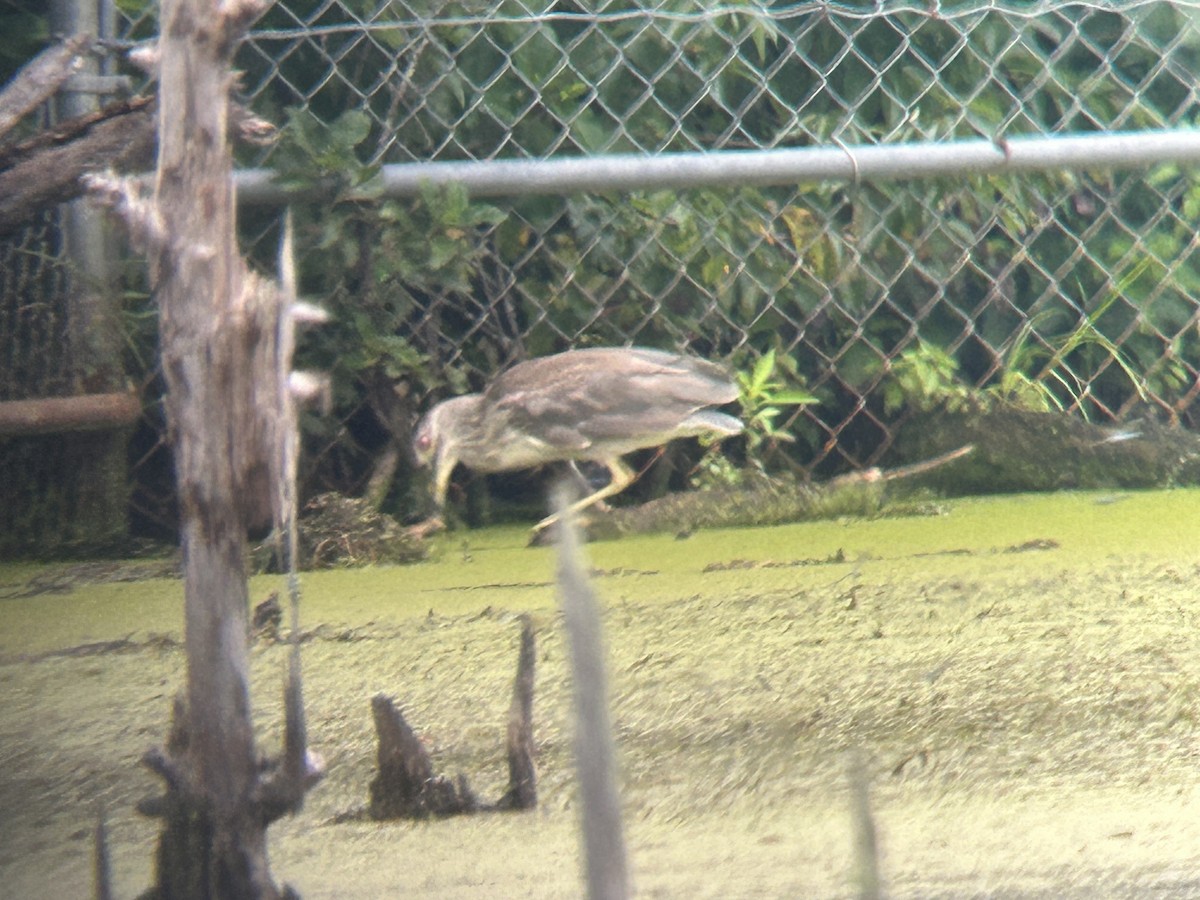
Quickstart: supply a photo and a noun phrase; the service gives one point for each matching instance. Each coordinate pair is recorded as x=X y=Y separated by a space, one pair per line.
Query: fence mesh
x=490 y=79
x=1073 y=289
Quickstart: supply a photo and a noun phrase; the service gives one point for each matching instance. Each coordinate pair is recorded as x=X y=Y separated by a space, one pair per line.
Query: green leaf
x=763 y=369
x=454 y=203
x=713 y=271
x=351 y=128
x=441 y=251
x=482 y=214
x=792 y=398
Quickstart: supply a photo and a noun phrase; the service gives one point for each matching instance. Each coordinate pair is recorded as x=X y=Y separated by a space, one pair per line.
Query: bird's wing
x=577 y=398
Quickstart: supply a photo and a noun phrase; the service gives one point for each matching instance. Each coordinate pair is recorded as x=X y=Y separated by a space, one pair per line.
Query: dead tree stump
x=405 y=785
x=522 y=771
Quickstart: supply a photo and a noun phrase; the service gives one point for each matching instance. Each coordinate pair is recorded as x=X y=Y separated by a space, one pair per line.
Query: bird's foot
x=423 y=530
x=542 y=534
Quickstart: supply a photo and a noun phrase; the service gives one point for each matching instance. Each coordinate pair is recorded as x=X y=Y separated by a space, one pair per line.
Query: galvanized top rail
x=506 y=177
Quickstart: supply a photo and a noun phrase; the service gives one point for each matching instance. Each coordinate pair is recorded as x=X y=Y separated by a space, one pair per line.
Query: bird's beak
x=443 y=467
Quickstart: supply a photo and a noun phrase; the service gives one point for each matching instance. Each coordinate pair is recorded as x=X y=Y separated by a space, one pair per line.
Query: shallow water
x=1020 y=673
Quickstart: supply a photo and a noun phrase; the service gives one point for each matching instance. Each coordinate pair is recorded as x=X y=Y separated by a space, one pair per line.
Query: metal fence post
x=101 y=494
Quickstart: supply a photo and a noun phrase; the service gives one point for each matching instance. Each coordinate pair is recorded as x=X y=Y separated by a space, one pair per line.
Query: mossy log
x=764 y=502
x=1021 y=450
x=1014 y=450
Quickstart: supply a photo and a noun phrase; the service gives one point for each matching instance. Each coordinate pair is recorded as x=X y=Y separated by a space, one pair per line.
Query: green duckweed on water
x=1020 y=674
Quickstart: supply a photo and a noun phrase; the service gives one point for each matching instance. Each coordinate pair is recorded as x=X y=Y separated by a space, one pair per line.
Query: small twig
x=876 y=475
x=234 y=18
x=158 y=762
x=925 y=465
x=139 y=212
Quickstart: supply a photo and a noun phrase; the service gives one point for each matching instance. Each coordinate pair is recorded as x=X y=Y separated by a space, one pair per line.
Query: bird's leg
x=620 y=477
x=584 y=485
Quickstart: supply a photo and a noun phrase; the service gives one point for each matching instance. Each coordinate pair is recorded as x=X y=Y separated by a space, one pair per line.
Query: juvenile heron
x=596 y=404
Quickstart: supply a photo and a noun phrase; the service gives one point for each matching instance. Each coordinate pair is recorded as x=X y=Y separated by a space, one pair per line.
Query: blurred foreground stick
x=607 y=872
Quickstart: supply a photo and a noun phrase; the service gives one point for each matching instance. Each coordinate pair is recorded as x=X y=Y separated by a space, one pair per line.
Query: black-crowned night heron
x=596 y=404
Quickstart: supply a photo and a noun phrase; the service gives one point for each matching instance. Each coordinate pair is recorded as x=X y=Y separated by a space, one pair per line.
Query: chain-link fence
x=59 y=334
x=1068 y=285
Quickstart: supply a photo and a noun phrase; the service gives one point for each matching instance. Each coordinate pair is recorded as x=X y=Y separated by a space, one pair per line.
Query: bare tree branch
x=40 y=79
x=55 y=415
x=138 y=212
x=45 y=171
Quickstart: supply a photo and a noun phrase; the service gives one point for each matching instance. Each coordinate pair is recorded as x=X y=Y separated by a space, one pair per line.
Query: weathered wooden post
x=226 y=353
x=207 y=333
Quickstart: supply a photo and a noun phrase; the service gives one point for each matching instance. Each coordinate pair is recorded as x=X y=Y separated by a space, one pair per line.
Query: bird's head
x=440 y=434
x=425 y=438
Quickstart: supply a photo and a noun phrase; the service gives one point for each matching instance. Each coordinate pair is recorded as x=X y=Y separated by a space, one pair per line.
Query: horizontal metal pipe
x=504 y=177
x=57 y=415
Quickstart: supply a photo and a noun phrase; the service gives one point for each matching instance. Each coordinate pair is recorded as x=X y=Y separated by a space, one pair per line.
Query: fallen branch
x=769 y=502
x=40 y=79
x=47 y=170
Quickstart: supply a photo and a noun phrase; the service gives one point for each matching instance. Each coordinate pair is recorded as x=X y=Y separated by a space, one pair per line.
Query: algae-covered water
x=1021 y=675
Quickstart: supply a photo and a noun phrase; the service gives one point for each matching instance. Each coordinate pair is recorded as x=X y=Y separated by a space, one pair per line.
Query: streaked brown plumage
x=596 y=404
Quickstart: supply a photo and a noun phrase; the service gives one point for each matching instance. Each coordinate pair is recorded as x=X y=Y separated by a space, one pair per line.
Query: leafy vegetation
x=1059 y=290
x=763 y=395
x=1064 y=290
x=24 y=29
